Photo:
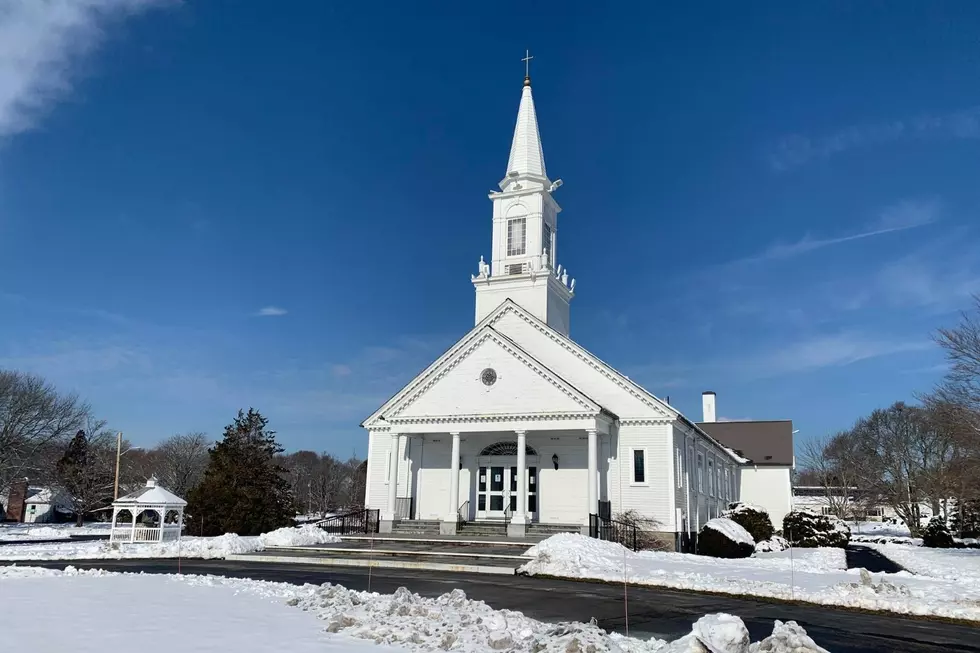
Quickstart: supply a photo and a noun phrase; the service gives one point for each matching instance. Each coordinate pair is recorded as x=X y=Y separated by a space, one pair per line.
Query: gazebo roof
x=151 y=494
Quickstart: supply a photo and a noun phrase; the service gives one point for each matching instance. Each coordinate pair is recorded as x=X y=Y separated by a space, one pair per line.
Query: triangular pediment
x=487 y=374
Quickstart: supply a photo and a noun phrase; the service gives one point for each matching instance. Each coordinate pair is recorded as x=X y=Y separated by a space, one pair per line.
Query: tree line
x=54 y=440
x=909 y=456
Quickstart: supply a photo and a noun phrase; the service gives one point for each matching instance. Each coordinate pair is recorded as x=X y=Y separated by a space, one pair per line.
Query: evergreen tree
x=85 y=471
x=244 y=490
x=966 y=519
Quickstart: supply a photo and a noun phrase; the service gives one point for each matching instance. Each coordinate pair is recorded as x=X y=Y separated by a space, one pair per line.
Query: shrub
x=936 y=534
x=775 y=543
x=808 y=529
x=646 y=531
x=723 y=538
x=752 y=518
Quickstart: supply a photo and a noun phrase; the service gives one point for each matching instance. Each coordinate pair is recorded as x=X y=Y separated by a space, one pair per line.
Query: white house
x=517 y=423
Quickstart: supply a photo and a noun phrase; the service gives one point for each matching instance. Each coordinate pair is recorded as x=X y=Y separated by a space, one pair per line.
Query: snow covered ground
x=188 y=547
x=813 y=575
x=50 y=531
x=948 y=564
x=195 y=614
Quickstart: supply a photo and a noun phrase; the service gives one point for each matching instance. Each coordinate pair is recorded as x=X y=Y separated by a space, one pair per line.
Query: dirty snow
x=813 y=575
x=206 y=613
x=188 y=547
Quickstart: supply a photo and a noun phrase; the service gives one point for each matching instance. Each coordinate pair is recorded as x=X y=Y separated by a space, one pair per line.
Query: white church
x=517 y=424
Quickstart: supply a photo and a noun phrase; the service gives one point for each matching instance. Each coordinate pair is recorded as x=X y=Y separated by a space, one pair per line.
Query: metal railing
x=365 y=521
x=403 y=507
x=611 y=530
x=463 y=514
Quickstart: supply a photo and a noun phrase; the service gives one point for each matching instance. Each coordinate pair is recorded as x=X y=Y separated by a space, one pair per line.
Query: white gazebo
x=151 y=514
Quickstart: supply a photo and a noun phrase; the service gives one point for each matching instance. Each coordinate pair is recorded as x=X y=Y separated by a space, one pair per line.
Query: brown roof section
x=762 y=442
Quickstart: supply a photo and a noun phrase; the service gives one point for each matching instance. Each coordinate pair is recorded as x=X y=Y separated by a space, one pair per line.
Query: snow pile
x=774 y=543
x=305 y=535
x=188 y=547
x=813 y=575
x=248 y=615
x=50 y=531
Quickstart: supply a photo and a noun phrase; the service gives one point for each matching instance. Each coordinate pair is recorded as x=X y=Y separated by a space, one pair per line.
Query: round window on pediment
x=488 y=376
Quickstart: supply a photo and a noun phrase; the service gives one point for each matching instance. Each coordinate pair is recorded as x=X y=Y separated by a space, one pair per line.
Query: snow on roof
x=730 y=529
x=152 y=493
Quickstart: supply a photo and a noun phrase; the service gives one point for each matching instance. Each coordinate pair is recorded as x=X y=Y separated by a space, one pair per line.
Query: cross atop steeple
x=527 y=66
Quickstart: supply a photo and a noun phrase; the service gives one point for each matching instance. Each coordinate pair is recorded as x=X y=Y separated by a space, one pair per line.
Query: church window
x=679 y=468
x=547 y=244
x=507 y=449
x=700 y=472
x=639 y=466
x=516 y=236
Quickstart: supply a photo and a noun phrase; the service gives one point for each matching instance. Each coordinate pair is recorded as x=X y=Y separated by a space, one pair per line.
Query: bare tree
x=322 y=483
x=181 y=461
x=827 y=464
x=33 y=415
x=86 y=470
x=962 y=346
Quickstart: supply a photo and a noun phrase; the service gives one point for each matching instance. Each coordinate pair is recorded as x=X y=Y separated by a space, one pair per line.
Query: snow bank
x=731 y=530
x=50 y=531
x=188 y=547
x=815 y=575
x=249 y=615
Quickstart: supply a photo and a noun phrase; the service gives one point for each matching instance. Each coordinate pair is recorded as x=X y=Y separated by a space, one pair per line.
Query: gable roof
x=442 y=365
x=153 y=494
x=762 y=442
x=658 y=405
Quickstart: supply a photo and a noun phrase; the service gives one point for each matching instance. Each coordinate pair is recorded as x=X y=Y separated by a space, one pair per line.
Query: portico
x=543 y=470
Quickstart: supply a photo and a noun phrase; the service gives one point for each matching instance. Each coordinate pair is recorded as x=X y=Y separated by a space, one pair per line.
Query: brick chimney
x=16 y=501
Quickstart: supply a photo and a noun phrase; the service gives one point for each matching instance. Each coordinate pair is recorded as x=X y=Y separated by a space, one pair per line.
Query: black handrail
x=611 y=530
x=365 y=521
x=462 y=515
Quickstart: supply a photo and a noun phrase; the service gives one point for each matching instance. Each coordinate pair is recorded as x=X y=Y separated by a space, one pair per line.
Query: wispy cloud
x=907 y=214
x=834 y=350
x=799 y=149
x=42 y=43
x=270 y=311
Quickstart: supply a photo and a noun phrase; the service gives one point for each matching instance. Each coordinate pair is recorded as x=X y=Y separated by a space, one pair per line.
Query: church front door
x=496 y=490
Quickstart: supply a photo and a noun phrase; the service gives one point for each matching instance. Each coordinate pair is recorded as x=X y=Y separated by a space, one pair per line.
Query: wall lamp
x=554 y=459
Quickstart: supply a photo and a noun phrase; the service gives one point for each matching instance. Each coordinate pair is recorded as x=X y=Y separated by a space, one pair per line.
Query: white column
x=392 y=478
x=454 y=480
x=520 y=515
x=593 y=471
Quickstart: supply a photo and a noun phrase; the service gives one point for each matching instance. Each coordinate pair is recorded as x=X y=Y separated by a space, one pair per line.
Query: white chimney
x=708 y=406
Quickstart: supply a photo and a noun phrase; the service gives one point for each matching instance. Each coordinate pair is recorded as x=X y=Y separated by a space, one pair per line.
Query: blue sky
x=207 y=206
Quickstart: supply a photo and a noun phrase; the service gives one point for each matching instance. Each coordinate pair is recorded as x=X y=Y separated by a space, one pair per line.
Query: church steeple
x=525 y=232
x=526 y=156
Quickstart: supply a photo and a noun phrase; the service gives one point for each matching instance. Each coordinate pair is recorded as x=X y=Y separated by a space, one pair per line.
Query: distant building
x=768 y=445
x=36 y=504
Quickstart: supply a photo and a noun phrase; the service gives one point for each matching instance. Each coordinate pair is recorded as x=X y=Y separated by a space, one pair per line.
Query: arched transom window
x=506 y=449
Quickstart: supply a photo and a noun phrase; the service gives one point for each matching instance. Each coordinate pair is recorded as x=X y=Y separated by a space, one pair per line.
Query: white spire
x=526 y=155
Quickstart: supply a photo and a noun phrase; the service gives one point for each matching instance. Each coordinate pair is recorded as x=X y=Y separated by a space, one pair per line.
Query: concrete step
x=416 y=527
x=552 y=529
